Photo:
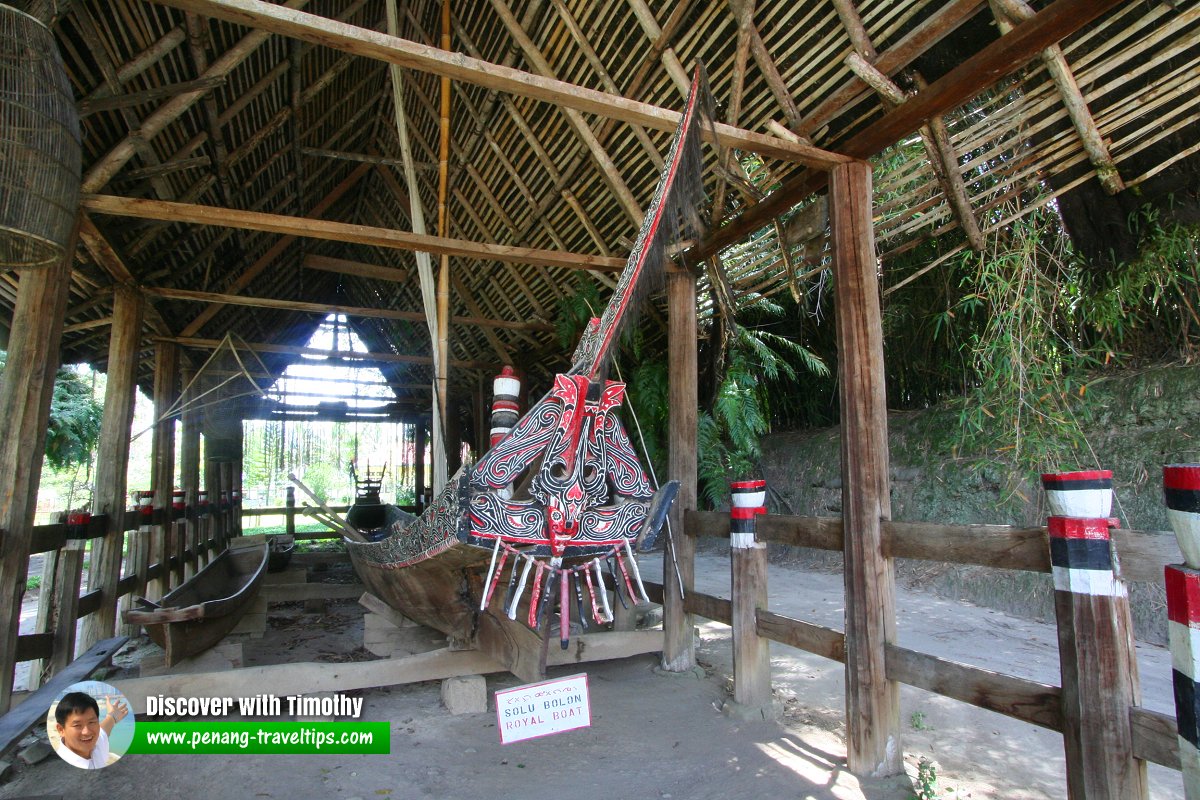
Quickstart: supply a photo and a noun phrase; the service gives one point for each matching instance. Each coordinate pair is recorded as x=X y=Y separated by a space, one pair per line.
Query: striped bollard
x=1181 y=491
x=505 y=390
x=752 y=698
x=1095 y=642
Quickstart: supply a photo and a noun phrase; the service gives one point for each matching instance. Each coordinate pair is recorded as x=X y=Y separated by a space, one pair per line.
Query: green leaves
x=74 y=427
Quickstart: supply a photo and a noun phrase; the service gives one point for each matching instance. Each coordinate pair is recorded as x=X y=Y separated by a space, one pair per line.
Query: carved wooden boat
x=280 y=554
x=202 y=610
x=558 y=494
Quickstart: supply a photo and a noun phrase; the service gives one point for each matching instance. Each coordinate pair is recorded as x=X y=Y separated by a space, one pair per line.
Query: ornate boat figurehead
x=584 y=494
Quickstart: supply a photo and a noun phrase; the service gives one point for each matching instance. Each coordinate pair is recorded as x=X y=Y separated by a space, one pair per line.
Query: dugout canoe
x=202 y=610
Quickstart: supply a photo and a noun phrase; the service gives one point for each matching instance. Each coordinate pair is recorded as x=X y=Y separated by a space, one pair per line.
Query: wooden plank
x=872 y=701
x=344 y=266
x=513 y=645
x=1029 y=701
x=25 y=393
x=16 y=723
x=112 y=456
x=705 y=605
x=291 y=592
x=308 y=678
x=1155 y=736
x=1145 y=553
x=31 y=646
x=807 y=636
x=822 y=533
x=47 y=537
x=313 y=559
x=312 y=228
x=999 y=546
x=679 y=553
x=404 y=53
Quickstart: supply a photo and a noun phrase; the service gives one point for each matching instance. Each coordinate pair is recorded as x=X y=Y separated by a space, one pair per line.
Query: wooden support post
x=137 y=560
x=419 y=467
x=189 y=474
x=45 y=622
x=25 y=396
x=748 y=593
x=212 y=482
x=872 y=701
x=66 y=605
x=1183 y=615
x=290 y=514
x=162 y=478
x=1181 y=491
x=112 y=457
x=679 y=556
x=1098 y=662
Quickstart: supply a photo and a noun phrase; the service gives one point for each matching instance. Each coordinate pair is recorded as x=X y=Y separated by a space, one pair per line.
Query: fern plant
x=730 y=433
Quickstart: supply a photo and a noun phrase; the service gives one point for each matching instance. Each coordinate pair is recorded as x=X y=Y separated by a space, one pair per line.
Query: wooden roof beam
x=345 y=266
x=274 y=251
x=373 y=44
x=914 y=44
x=361 y=359
x=110 y=164
x=608 y=170
x=1010 y=13
x=329 y=308
x=114 y=101
x=935 y=136
x=1006 y=55
x=340 y=232
x=744 y=12
x=108 y=259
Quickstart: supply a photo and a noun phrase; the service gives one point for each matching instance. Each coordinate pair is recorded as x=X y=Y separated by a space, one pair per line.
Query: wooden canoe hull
x=202 y=611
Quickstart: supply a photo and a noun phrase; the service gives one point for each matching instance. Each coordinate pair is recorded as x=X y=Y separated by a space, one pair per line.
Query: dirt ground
x=652 y=736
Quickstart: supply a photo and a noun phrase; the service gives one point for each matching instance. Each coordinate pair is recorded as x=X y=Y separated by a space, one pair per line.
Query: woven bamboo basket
x=39 y=145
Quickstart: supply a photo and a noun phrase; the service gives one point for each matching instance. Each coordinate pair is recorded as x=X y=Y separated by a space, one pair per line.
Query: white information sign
x=540 y=709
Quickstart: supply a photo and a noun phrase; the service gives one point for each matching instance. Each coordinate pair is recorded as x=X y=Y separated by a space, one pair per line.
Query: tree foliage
x=74 y=425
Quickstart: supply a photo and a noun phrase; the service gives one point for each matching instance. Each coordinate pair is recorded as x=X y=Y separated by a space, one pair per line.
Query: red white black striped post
x=506 y=388
x=1095 y=642
x=1181 y=490
x=748 y=572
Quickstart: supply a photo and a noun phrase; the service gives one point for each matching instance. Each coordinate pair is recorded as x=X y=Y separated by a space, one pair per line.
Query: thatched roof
x=190 y=108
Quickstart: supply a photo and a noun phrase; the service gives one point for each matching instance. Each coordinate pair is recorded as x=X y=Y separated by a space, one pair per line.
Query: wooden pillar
x=1098 y=663
x=419 y=466
x=112 y=457
x=680 y=552
x=46 y=619
x=872 y=701
x=25 y=396
x=290 y=513
x=1183 y=615
x=162 y=476
x=189 y=474
x=748 y=593
x=229 y=513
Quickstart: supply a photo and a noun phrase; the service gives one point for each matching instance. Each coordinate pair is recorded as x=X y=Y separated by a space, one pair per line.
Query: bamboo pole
x=339 y=523
x=443 y=286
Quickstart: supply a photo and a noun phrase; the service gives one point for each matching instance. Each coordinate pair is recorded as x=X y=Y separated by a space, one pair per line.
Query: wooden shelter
x=244 y=172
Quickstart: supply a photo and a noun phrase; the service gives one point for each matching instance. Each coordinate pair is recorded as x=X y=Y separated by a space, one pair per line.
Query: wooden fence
x=1143 y=556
